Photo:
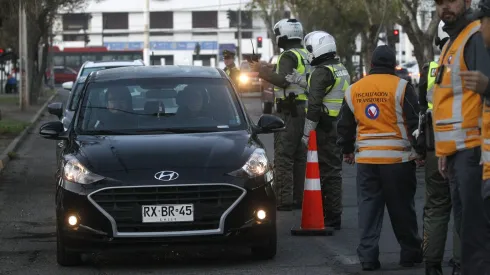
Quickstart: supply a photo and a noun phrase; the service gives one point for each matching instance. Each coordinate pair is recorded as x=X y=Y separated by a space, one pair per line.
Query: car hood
x=165 y=152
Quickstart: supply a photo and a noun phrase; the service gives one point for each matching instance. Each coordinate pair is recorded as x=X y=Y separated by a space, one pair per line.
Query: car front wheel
x=64 y=257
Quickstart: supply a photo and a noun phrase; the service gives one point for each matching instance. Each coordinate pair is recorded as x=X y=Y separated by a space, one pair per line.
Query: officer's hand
x=295 y=77
x=305 y=140
x=442 y=165
x=255 y=66
x=475 y=80
x=349 y=158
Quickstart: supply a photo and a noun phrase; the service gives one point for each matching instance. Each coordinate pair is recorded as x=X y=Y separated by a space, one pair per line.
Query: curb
x=14 y=145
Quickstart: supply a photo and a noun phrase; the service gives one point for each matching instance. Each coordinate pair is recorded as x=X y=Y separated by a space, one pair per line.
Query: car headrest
x=152 y=107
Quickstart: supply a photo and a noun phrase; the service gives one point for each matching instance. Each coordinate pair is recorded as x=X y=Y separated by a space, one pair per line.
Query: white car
x=413 y=71
x=92 y=66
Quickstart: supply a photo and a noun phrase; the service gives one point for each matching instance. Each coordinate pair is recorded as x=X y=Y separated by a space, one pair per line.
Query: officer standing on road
x=289 y=152
x=437 y=210
x=456 y=120
x=327 y=83
x=379 y=113
x=231 y=70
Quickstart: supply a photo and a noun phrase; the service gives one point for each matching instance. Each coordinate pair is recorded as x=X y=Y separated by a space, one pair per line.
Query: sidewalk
x=13 y=121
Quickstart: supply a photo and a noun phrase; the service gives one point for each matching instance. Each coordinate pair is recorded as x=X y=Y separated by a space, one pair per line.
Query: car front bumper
x=110 y=215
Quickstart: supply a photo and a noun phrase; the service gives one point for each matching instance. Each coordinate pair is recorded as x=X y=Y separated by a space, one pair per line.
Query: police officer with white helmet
x=327 y=83
x=291 y=100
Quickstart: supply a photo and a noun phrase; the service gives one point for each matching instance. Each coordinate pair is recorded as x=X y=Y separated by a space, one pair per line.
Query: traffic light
x=259 y=42
x=396 y=36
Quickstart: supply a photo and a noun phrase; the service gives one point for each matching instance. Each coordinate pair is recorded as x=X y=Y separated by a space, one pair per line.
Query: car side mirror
x=56 y=108
x=67 y=85
x=270 y=124
x=52 y=130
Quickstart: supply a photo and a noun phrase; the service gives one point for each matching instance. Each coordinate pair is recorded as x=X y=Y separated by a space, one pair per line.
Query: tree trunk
x=422 y=44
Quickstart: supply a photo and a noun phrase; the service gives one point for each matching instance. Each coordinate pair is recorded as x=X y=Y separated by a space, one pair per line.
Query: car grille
x=124 y=205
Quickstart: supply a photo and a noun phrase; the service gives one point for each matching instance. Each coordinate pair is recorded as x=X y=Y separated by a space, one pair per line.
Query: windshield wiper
x=175 y=130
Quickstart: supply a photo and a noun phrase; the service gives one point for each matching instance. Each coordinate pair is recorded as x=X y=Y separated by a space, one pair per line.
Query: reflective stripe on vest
x=457 y=110
x=377 y=104
x=431 y=79
x=333 y=99
x=485 y=152
x=303 y=68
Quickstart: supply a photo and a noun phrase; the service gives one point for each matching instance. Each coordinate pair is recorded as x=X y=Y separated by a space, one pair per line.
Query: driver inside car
x=191 y=102
x=119 y=113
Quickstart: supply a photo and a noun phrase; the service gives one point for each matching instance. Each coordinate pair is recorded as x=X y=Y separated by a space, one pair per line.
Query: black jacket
x=287 y=63
x=346 y=127
x=320 y=79
x=423 y=82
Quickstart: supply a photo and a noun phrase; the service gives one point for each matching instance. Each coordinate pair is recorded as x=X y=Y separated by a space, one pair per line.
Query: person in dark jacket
x=376 y=120
x=289 y=153
x=327 y=83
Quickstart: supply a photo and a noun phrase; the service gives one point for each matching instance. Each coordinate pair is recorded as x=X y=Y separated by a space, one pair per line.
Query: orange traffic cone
x=312 y=222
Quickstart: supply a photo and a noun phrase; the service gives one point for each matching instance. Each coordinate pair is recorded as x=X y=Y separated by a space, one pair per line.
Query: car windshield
x=160 y=105
x=87 y=71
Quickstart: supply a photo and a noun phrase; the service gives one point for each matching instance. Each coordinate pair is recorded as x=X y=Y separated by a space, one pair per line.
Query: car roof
x=95 y=64
x=157 y=71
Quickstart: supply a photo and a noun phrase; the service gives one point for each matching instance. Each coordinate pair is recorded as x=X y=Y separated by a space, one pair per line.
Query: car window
x=171 y=104
x=58 y=70
x=77 y=90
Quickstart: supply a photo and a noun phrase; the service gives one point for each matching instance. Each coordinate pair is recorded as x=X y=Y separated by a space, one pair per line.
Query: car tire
x=267 y=107
x=64 y=257
x=268 y=250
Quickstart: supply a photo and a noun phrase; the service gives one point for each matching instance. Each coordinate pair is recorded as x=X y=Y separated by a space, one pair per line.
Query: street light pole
x=146 y=46
x=217 y=36
x=239 y=52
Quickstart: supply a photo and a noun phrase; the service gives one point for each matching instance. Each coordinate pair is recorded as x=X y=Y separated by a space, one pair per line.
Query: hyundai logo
x=166 y=175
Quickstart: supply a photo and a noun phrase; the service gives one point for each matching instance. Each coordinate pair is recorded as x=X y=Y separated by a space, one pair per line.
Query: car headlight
x=74 y=171
x=243 y=78
x=256 y=165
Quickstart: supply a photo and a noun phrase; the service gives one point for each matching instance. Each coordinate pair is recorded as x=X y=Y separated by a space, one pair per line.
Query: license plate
x=168 y=213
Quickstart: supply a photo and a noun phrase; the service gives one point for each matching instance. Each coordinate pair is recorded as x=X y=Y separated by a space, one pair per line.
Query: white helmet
x=287 y=29
x=318 y=43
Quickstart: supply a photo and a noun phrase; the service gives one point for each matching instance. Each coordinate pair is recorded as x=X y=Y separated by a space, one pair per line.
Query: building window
x=162 y=20
x=73 y=37
x=245 y=35
x=75 y=21
x=247 y=19
x=115 y=21
x=205 y=19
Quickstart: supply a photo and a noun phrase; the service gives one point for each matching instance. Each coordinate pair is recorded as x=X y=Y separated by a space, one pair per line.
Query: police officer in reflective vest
x=231 y=70
x=437 y=210
x=327 y=83
x=291 y=100
x=379 y=113
x=456 y=118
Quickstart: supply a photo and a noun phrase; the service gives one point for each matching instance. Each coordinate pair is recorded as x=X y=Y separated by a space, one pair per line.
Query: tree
x=422 y=40
x=41 y=15
x=270 y=11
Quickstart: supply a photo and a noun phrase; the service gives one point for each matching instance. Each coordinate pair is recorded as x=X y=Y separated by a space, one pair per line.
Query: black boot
x=433 y=269
x=371 y=266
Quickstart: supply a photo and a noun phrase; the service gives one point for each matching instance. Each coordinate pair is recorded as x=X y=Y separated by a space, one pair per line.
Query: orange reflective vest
x=485 y=153
x=457 y=111
x=377 y=104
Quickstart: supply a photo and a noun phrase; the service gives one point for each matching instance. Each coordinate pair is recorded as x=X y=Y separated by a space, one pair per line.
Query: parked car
x=413 y=72
x=248 y=81
x=403 y=73
x=268 y=98
x=63 y=74
x=136 y=173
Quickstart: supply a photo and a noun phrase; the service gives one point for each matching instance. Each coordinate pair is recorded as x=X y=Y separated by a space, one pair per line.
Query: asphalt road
x=28 y=244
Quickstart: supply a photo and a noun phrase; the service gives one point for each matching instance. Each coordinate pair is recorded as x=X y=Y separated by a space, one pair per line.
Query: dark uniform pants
x=437 y=213
x=330 y=161
x=393 y=185
x=465 y=177
x=290 y=158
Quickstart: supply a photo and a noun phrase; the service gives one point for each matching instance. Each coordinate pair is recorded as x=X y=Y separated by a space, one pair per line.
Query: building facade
x=175 y=28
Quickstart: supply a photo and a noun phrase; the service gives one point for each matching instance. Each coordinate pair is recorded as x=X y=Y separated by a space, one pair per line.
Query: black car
x=142 y=175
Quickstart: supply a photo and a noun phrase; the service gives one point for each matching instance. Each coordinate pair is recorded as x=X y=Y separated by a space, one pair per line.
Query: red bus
x=75 y=57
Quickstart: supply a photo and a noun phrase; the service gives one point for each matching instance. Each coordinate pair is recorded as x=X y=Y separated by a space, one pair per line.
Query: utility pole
x=51 y=57
x=146 y=47
x=217 y=36
x=23 y=59
x=239 y=29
